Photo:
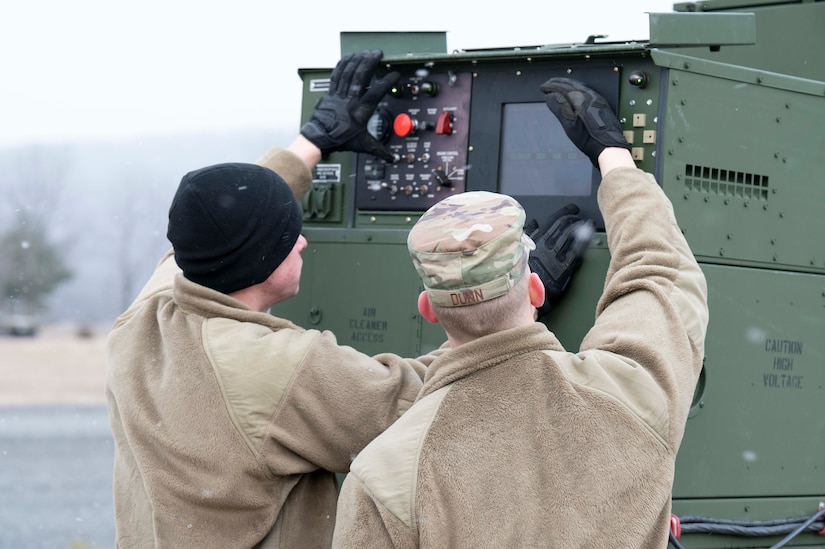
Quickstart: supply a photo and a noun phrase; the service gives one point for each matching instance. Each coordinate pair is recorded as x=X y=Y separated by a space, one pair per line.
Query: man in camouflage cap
x=514 y=441
x=470 y=248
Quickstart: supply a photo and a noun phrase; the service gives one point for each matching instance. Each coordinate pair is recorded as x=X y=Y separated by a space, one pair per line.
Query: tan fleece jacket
x=229 y=423
x=515 y=442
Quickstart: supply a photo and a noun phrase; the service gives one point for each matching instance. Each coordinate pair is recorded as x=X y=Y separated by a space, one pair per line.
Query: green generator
x=725 y=105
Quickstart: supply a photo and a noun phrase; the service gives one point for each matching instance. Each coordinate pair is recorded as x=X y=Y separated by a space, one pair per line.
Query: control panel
x=424 y=121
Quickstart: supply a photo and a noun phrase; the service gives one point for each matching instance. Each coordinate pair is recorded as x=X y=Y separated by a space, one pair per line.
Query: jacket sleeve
x=338 y=400
x=653 y=311
x=301 y=401
x=361 y=522
x=291 y=168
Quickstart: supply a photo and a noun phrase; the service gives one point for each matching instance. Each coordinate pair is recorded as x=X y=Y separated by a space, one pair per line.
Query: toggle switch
x=444 y=125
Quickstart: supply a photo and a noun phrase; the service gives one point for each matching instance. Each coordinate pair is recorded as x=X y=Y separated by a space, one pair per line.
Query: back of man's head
x=470 y=248
x=231 y=225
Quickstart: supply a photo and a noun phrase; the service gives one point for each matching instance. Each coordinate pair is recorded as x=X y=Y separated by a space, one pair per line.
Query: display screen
x=537 y=158
x=519 y=148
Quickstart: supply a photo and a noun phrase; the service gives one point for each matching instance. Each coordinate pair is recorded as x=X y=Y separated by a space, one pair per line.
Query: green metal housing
x=725 y=104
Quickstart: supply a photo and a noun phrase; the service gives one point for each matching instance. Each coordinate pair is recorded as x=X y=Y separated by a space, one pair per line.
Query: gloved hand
x=585 y=116
x=339 y=122
x=560 y=245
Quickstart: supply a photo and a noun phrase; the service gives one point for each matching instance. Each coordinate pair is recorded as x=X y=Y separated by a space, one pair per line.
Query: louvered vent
x=726 y=182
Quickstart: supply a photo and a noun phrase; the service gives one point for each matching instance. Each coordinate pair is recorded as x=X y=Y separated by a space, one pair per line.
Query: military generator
x=725 y=104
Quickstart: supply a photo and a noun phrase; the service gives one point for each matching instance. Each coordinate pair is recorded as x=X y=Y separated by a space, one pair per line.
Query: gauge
x=379 y=125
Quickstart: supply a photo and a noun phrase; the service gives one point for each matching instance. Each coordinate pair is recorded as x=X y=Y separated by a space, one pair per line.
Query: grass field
x=56 y=366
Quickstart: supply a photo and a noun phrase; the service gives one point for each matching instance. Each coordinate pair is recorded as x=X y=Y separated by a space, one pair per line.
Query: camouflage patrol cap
x=470 y=247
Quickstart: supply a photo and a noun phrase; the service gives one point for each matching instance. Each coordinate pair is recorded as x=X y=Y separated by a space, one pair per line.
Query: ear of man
x=426 y=308
x=536 y=290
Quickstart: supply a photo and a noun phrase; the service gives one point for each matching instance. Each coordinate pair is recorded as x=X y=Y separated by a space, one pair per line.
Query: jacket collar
x=199 y=300
x=486 y=352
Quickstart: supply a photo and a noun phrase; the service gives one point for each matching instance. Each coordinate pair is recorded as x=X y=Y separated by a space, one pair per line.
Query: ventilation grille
x=726 y=182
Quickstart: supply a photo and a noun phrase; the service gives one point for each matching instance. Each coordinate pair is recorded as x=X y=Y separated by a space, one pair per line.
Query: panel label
x=368 y=328
x=782 y=374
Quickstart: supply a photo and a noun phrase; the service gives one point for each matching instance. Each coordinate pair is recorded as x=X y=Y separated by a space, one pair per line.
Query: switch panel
x=424 y=121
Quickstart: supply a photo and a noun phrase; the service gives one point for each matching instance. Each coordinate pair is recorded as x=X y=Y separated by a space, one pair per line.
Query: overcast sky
x=100 y=69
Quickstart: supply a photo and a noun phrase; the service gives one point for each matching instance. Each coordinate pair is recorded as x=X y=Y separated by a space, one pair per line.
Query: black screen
x=537 y=158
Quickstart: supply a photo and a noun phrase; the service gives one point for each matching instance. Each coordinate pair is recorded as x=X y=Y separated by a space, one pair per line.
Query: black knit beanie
x=231 y=225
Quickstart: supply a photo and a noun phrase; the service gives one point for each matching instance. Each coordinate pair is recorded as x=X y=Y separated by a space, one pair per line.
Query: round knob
x=429 y=88
x=638 y=79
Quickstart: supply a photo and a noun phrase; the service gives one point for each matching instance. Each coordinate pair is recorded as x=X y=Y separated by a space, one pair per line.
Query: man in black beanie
x=231 y=225
x=229 y=423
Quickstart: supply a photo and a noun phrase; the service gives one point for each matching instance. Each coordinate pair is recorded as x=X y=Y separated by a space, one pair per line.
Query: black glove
x=585 y=116
x=560 y=245
x=339 y=122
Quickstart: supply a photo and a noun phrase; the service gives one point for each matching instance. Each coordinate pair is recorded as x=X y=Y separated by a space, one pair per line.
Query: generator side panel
x=743 y=162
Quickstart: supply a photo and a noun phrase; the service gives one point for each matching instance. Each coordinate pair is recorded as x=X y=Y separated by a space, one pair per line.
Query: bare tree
x=31 y=181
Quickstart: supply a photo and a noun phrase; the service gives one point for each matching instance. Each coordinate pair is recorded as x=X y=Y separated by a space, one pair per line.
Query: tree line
x=82 y=225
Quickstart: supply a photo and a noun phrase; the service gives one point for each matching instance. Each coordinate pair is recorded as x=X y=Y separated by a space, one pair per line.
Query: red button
x=403 y=125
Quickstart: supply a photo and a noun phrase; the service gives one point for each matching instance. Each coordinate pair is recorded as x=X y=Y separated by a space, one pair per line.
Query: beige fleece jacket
x=516 y=442
x=229 y=423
